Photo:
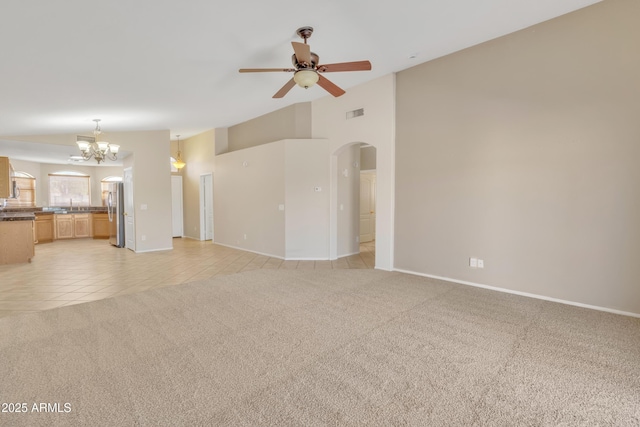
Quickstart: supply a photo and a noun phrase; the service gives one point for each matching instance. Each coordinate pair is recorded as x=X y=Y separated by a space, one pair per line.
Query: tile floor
x=69 y=272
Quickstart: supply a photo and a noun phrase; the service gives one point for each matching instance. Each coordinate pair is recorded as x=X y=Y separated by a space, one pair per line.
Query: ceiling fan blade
x=345 y=66
x=265 y=70
x=285 y=89
x=329 y=87
x=302 y=51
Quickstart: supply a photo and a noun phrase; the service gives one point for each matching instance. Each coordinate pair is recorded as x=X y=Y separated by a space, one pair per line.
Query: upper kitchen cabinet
x=5 y=178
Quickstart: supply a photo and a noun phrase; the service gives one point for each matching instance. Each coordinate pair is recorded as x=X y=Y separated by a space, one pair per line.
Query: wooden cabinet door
x=100 y=226
x=44 y=228
x=16 y=241
x=81 y=226
x=64 y=226
x=5 y=178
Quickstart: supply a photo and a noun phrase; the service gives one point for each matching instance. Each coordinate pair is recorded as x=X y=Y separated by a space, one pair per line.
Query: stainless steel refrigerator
x=115 y=206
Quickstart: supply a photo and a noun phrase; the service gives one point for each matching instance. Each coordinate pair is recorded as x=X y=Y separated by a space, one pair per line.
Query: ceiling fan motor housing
x=301 y=65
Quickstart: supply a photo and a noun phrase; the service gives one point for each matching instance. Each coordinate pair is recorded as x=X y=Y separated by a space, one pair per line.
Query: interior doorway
x=206 y=207
x=367 y=206
x=368 y=202
x=354 y=202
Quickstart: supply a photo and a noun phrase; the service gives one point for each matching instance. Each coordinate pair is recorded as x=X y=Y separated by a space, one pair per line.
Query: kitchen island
x=16 y=237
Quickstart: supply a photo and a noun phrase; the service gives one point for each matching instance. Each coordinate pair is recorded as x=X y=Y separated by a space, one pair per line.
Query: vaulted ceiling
x=143 y=64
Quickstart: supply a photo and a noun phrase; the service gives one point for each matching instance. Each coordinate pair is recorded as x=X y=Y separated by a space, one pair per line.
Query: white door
x=367 y=206
x=176 y=206
x=206 y=207
x=129 y=211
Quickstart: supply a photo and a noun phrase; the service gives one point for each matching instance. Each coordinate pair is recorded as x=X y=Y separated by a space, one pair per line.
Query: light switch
x=280 y=207
x=143 y=207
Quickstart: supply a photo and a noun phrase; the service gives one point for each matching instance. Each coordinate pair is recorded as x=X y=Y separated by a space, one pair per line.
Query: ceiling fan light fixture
x=306 y=78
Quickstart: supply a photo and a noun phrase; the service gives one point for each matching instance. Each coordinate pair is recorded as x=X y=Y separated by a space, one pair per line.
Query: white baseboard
x=249 y=250
x=306 y=259
x=353 y=253
x=155 y=250
x=524 y=294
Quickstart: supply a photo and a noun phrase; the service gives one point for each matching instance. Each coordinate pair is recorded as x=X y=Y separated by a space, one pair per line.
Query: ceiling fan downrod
x=304 y=33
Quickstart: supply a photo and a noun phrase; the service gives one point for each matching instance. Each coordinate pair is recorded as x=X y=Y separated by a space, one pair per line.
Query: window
x=27 y=191
x=69 y=188
x=104 y=187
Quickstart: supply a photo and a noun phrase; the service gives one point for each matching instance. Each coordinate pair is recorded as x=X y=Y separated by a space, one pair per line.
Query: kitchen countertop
x=52 y=211
x=17 y=216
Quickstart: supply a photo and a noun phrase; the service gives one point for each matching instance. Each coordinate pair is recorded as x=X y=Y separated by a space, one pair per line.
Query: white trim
x=353 y=253
x=154 y=250
x=249 y=250
x=307 y=259
x=524 y=294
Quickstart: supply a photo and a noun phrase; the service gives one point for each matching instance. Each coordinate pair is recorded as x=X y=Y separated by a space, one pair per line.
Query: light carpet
x=335 y=347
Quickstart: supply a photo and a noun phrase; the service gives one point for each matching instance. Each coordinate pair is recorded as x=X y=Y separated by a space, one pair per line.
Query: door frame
x=129 y=210
x=203 y=213
x=180 y=207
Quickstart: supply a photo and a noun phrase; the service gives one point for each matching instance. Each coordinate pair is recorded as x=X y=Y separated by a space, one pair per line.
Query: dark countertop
x=52 y=211
x=17 y=216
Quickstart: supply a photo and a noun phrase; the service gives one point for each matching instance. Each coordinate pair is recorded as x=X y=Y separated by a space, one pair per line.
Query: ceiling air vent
x=355 y=113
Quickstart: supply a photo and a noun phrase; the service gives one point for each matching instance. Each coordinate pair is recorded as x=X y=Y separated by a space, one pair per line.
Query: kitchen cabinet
x=64 y=226
x=16 y=242
x=81 y=225
x=5 y=178
x=44 y=228
x=100 y=225
x=72 y=226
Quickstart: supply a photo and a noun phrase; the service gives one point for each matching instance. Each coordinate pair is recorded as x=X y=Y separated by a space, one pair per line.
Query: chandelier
x=96 y=148
x=179 y=164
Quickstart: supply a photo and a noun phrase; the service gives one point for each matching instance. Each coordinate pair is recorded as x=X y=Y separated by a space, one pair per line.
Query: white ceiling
x=168 y=64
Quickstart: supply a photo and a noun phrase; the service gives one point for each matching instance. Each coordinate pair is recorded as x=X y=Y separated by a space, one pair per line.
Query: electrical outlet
x=245 y=237
x=473 y=262
x=480 y=263
x=143 y=237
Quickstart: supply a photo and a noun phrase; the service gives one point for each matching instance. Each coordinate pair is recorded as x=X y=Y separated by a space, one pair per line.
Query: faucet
x=70 y=204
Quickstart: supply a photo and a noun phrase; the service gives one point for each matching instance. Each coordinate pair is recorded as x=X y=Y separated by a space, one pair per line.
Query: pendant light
x=179 y=164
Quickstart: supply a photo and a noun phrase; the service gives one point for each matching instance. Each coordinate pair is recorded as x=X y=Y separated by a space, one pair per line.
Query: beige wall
x=273 y=199
x=377 y=128
x=249 y=186
x=151 y=186
x=368 y=158
x=523 y=151
x=306 y=199
x=348 y=199
x=292 y=122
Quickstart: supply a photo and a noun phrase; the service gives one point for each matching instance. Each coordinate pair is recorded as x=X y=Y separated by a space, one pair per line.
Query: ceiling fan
x=307 y=71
